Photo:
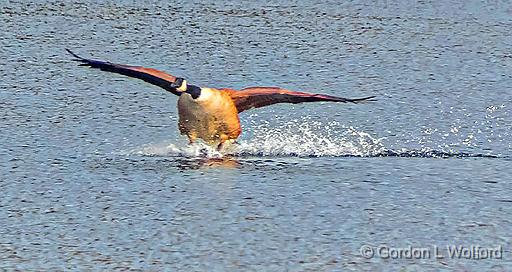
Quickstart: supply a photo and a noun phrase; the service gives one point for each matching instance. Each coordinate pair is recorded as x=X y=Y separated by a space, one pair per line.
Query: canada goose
x=211 y=114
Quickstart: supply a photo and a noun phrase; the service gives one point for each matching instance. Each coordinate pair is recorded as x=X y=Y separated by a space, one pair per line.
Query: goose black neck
x=194 y=91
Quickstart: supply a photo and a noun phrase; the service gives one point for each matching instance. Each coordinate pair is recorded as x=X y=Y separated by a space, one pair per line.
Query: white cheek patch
x=183 y=86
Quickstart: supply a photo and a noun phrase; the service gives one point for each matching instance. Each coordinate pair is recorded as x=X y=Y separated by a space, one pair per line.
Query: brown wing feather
x=150 y=75
x=256 y=97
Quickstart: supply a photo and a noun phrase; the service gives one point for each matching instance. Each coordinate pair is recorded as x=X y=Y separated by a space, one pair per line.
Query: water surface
x=97 y=177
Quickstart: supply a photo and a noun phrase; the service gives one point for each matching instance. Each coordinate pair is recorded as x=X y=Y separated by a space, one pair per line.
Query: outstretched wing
x=256 y=97
x=149 y=75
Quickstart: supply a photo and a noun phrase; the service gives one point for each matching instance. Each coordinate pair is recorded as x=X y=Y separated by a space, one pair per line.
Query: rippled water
x=97 y=177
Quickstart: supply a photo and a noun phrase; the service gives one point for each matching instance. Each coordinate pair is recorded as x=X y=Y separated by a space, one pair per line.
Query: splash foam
x=294 y=138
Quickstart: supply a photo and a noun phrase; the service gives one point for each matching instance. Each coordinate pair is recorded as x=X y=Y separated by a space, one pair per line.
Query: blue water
x=95 y=175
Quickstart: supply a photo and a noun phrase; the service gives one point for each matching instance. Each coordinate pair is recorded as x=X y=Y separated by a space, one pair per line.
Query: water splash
x=294 y=138
x=299 y=139
x=309 y=139
x=197 y=150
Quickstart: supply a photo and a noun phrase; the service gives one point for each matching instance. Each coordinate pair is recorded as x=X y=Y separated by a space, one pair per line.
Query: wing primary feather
x=363 y=100
x=256 y=97
x=149 y=75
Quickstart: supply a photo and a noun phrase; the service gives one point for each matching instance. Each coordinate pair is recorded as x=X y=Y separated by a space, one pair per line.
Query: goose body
x=212 y=117
x=211 y=114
